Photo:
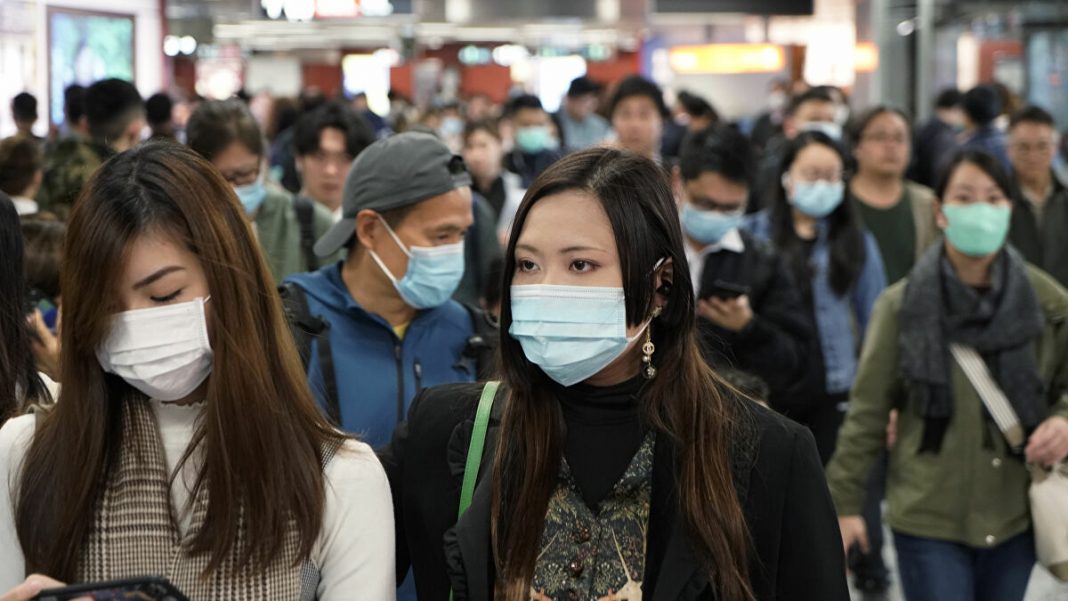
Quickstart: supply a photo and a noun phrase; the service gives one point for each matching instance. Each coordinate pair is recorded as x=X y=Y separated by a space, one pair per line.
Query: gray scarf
x=1001 y=324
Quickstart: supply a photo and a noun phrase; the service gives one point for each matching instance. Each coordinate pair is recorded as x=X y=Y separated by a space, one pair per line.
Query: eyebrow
x=157 y=275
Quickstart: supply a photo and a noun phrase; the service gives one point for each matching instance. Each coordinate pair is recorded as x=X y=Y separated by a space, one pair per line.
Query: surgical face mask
x=777 y=101
x=816 y=199
x=709 y=227
x=451 y=127
x=251 y=196
x=433 y=273
x=535 y=139
x=163 y=351
x=831 y=130
x=570 y=332
x=978 y=229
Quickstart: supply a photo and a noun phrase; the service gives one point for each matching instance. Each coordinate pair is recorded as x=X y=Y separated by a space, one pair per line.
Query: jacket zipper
x=400 y=382
x=418 y=368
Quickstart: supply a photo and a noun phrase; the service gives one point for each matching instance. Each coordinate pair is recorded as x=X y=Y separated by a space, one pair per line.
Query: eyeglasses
x=1040 y=148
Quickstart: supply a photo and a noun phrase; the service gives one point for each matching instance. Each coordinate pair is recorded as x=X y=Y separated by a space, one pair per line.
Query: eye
x=526 y=265
x=168 y=298
x=582 y=266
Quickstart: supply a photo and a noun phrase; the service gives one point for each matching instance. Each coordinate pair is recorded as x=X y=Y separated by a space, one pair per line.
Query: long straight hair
x=846 y=236
x=18 y=375
x=262 y=432
x=687 y=405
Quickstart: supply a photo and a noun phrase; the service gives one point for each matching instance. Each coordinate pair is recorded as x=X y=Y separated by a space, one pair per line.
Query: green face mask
x=978 y=229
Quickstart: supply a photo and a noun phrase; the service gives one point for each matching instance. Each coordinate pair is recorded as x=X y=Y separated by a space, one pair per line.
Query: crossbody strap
x=478 y=444
x=993 y=398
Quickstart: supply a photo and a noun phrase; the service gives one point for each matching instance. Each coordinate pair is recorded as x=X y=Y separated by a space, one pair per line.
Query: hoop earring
x=649 y=371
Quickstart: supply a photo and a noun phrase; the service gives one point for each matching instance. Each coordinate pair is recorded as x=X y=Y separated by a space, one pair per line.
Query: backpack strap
x=305 y=209
x=477 y=445
x=305 y=328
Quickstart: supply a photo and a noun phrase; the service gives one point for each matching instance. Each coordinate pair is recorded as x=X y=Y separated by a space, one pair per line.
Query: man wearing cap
x=393 y=328
x=580 y=125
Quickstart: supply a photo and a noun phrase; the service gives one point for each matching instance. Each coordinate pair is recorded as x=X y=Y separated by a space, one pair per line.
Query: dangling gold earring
x=649 y=371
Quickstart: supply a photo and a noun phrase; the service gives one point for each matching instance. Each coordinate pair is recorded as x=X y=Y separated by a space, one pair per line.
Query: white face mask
x=163 y=351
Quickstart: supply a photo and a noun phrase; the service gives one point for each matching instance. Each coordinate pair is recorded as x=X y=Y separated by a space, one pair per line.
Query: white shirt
x=24 y=206
x=732 y=241
x=354 y=551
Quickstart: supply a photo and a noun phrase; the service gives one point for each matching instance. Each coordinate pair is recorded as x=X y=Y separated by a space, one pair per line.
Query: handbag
x=1049 y=486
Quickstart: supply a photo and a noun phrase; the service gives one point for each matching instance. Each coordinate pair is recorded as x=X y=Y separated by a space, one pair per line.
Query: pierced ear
x=663 y=284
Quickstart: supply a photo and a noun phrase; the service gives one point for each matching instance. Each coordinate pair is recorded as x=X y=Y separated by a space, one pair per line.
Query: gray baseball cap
x=399 y=171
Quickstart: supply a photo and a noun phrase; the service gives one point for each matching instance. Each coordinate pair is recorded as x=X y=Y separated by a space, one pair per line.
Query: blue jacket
x=992 y=140
x=378 y=374
x=841 y=320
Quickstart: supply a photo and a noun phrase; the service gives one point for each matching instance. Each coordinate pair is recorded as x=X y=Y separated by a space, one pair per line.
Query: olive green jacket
x=974 y=491
x=278 y=232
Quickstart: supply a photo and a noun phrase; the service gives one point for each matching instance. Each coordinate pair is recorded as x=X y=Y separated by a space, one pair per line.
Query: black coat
x=777 y=343
x=796 y=550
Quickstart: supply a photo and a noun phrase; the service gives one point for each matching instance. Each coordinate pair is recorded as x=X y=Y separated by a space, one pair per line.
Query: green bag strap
x=478 y=444
x=474 y=450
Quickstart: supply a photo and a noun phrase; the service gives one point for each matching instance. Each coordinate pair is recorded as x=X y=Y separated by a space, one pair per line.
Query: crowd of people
x=274 y=347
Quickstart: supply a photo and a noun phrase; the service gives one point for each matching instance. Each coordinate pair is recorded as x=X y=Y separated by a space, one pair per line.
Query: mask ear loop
x=378 y=260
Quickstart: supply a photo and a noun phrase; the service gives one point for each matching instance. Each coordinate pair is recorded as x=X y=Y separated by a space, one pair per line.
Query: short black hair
x=982 y=104
x=336 y=115
x=20 y=160
x=217 y=124
x=948 y=98
x=697 y=106
x=856 y=131
x=110 y=106
x=74 y=103
x=718 y=149
x=821 y=94
x=523 y=101
x=636 y=85
x=981 y=159
x=24 y=107
x=1032 y=114
x=158 y=109
x=582 y=86
x=487 y=125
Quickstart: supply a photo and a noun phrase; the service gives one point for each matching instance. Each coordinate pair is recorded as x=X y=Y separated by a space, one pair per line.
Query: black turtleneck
x=604 y=431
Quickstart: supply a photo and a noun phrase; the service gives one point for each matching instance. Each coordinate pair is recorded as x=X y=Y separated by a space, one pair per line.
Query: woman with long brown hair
x=623 y=467
x=186 y=443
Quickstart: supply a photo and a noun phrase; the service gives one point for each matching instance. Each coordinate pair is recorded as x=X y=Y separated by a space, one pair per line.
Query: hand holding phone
x=147 y=588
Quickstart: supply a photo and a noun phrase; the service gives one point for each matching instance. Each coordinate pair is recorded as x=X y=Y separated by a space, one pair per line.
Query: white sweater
x=354 y=552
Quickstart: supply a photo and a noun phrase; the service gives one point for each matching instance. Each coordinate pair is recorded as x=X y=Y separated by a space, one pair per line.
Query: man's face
x=813 y=111
x=581 y=107
x=713 y=192
x=1031 y=149
x=323 y=171
x=883 y=147
x=482 y=154
x=638 y=124
x=531 y=117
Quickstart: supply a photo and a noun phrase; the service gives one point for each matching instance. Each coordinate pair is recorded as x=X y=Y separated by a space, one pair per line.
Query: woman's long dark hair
x=19 y=381
x=687 y=405
x=846 y=236
x=261 y=431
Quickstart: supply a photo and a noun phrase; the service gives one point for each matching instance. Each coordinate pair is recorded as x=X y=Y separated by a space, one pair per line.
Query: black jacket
x=796 y=550
x=1043 y=244
x=776 y=344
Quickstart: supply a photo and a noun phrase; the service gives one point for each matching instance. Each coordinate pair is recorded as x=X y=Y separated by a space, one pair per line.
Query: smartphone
x=727 y=290
x=147 y=588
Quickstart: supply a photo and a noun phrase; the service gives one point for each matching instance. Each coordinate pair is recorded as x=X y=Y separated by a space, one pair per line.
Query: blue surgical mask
x=709 y=227
x=831 y=130
x=535 y=139
x=570 y=332
x=251 y=196
x=978 y=229
x=433 y=273
x=817 y=199
x=451 y=126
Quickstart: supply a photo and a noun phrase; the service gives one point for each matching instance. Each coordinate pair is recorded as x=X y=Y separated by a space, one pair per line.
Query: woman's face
x=567 y=240
x=815 y=162
x=160 y=271
x=239 y=165
x=969 y=184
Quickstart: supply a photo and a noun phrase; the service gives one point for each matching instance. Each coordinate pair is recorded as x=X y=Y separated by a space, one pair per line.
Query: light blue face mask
x=709 y=227
x=433 y=272
x=831 y=130
x=535 y=139
x=570 y=332
x=978 y=229
x=817 y=199
x=251 y=196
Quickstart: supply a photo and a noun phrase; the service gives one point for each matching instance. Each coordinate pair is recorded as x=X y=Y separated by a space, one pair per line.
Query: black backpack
x=308 y=329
